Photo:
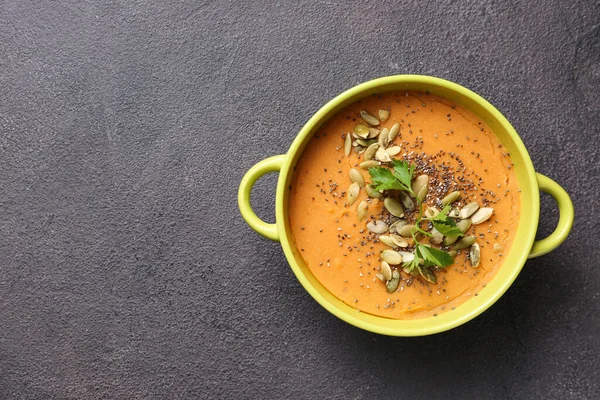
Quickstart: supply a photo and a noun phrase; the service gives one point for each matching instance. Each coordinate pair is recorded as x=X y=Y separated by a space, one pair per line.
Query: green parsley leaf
x=411 y=265
x=383 y=179
x=447 y=228
x=403 y=171
x=434 y=257
x=443 y=215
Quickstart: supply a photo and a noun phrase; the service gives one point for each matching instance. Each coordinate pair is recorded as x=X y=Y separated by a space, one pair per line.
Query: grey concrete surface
x=126 y=270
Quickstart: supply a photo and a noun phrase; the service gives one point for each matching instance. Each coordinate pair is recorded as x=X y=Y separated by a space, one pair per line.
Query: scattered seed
x=361 y=131
x=394 y=207
x=407 y=202
x=407 y=256
x=373 y=133
x=356 y=176
x=392 y=257
x=377 y=226
x=468 y=210
x=427 y=274
x=436 y=237
x=464 y=225
x=393 y=132
x=464 y=242
x=382 y=155
x=371 y=192
x=368 y=164
x=392 y=284
x=475 y=255
x=482 y=215
x=397 y=225
x=368 y=118
x=450 y=240
x=398 y=240
x=453 y=253
x=386 y=271
x=394 y=150
x=406 y=230
x=498 y=248
x=347 y=145
x=384 y=138
x=420 y=186
x=431 y=212
x=450 y=198
x=361 y=211
x=353 y=192
x=371 y=151
x=384 y=115
x=387 y=240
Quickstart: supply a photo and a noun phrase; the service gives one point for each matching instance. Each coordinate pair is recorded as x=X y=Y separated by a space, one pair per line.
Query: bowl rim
x=411 y=329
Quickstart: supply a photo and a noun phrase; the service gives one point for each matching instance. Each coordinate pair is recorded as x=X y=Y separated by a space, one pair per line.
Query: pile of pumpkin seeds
x=376 y=144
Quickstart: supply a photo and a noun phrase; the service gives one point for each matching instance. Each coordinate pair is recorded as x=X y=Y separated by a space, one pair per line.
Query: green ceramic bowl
x=524 y=246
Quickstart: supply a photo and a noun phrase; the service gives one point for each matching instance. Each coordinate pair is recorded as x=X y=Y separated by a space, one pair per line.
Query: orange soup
x=403 y=204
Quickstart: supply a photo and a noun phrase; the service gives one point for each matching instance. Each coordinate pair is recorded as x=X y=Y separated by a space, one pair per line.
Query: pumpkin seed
x=453 y=253
x=392 y=284
x=382 y=155
x=361 y=131
x=386 y=271
x=347 y=145
x=368 y=164
x=482 y=215
x=353 y=192
x=368 y=118
x=373 y=133
x=450 y=240
x=394 y=207
x=455 y=213
x=450 y=198
x=359 y=149
x=406 y=230
x=397 y=225
x=407 y=256
x=475 y=255
x=356 y=176
x=431 y=212
x=363 y=142
x=420 y=186
x=498 y=248
x=371 y=192
x=427 y=274
x=361 y=211
x=371 y=151
x=436 y=237
x=394 y=150
x=384 y=139
x=392 y=257
x=464 y=242
x=398 y=241
x=393 y=131
x=380 y=277
x=468 y=210
x=407 y=202
x=378 y=227
x=464 y=225
x=387 y=240
x=384 y=115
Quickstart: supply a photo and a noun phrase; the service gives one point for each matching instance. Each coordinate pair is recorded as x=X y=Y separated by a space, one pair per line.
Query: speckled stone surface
x=126 y=270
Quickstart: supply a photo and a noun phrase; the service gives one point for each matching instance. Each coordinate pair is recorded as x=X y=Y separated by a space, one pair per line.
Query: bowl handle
x=271 y=164
x=565 y=219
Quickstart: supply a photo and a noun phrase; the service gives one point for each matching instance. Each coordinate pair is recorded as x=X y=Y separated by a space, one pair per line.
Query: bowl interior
x=515 y=258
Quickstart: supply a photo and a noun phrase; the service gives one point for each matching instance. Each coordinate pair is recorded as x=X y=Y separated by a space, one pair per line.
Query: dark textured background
x=126 y=270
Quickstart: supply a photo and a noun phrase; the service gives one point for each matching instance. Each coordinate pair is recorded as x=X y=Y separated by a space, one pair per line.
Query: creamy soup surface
x=443 y=140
